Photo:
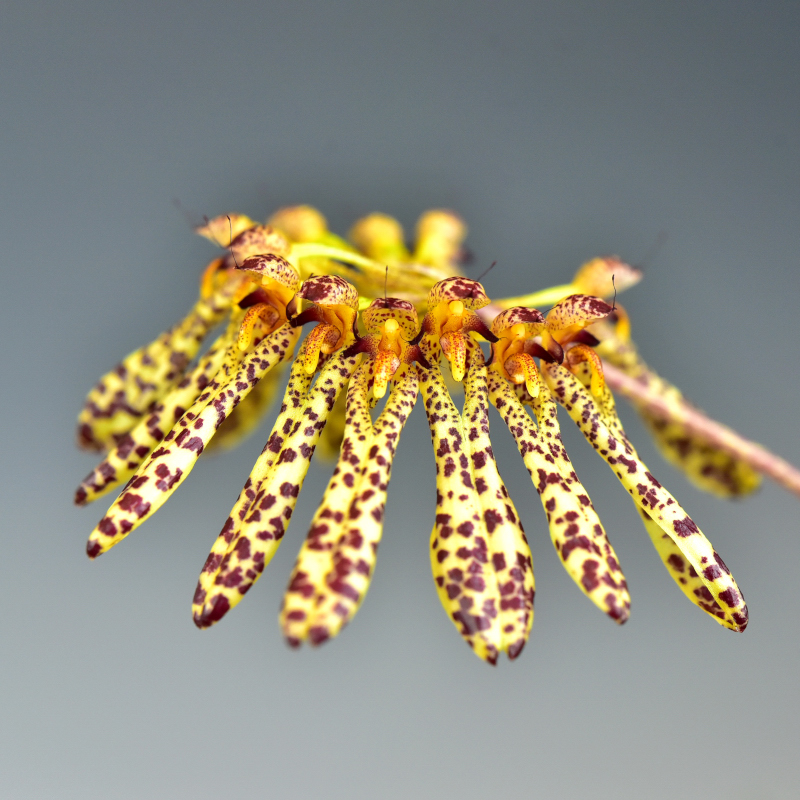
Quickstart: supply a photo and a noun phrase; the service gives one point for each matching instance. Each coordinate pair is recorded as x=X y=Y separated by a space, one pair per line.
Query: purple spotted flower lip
x=369 y=320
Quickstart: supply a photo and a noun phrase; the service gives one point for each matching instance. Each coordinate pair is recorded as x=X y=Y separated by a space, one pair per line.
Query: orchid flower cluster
x=385 y=324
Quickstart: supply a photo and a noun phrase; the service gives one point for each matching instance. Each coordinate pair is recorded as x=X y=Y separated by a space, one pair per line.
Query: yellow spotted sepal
x=260 y=517
x=170 y=463
x=575 y=529
x=481 y=561
x=687 y=554
x=337 y=560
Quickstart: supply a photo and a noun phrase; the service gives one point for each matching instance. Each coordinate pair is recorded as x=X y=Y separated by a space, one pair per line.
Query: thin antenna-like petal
x=121 y=397
x=598 y=421
x=336 y=562
x=575 y=529
x=169 y=465
x=256 y=526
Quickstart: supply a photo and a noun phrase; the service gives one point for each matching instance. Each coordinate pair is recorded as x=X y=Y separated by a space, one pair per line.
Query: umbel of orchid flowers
x=388 y=323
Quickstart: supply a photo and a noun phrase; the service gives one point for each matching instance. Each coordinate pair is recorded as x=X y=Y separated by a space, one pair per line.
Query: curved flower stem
x=312 y=250
x=641 y=392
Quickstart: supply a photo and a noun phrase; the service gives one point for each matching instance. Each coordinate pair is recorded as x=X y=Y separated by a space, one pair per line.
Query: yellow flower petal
x=575 y=529
x=598 y=421
x=248 y=415
x=509 y=551
x=682 y=572
x=259 y=519
x=468 y=579
x=169 y=465
x=336 y=562
x=124 y=459
x=574 y=313
x=124 y=395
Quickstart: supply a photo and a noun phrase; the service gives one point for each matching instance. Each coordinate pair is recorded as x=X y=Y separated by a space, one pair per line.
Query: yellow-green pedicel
x=169 y=402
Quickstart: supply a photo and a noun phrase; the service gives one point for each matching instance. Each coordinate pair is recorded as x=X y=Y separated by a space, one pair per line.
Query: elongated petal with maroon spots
x=295 y=399
x=469 y=581
x=681 y=571
x=459 y=539
x=169 y=465
x=335 y=565
x=509 y=551
x=124 y=395
x=575 y=529
x=598 y=421
x=248 y=415
x=134 y=447
x=256 y=527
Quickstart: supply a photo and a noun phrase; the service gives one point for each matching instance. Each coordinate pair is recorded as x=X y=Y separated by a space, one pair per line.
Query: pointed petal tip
x=212 y=612
x=741 y=618
x=93 y=549
x=81 y=497
x=318 y=634
x=620 y=615
x=515 y=649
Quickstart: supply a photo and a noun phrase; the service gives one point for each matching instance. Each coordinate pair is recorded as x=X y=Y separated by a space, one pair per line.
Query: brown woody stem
x=643 y=394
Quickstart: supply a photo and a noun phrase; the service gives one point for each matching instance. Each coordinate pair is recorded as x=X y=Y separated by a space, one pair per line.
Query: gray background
x=559 y=133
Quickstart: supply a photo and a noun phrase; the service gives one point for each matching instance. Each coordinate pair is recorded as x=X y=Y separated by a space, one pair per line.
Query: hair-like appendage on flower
x=337 y=560
x=567 y=320
x=158 y=411
x=689 y=552
x=222 y=230
x=604 y=277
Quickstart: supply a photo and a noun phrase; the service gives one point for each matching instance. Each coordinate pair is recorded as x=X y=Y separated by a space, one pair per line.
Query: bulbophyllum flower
x=167 y=403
